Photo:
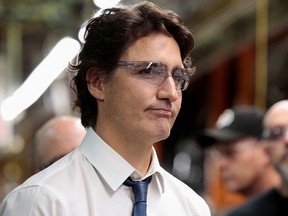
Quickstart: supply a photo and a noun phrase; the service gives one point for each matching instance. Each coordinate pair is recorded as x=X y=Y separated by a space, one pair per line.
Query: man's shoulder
x=55 y=173
x=178 y=190
x=179 y=187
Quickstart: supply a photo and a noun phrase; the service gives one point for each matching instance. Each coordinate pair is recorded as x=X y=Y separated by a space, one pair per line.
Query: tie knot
x=139 y=188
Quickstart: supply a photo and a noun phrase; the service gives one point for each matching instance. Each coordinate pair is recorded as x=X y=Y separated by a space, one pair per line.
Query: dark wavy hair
x=109 y=35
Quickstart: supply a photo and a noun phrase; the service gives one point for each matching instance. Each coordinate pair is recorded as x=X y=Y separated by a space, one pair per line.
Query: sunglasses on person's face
x=275 y=133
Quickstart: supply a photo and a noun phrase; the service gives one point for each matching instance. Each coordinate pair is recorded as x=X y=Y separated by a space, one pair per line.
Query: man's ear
x=95 y=83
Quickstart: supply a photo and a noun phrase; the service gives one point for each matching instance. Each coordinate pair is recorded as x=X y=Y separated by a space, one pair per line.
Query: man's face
x=241 y=162
x=136 y=109
x=277 y=128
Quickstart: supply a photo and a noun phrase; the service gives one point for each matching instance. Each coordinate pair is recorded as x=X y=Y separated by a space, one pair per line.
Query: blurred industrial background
x=241 y=57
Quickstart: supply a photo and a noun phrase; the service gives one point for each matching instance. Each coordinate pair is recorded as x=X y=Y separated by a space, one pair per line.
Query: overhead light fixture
x=40 y=79
x=106 y=3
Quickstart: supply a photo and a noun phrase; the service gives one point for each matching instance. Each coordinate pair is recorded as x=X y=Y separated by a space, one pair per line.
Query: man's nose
x=168 y=90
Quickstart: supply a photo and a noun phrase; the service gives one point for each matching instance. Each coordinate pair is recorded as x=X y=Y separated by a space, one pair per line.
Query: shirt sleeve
x=34 y=201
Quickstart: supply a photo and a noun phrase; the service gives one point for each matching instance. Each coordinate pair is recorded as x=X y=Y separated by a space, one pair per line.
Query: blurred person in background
x=236 y=145
x=273 y=202
x=56 y=138
x=132 y=69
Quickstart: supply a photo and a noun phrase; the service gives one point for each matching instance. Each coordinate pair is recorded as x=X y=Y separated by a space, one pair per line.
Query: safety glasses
x=155 y=73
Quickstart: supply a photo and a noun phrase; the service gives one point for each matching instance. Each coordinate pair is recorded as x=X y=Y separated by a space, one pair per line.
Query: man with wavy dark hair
x=129 y=80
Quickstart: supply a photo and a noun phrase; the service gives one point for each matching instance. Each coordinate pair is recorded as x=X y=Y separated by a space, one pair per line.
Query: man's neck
x=137 y=153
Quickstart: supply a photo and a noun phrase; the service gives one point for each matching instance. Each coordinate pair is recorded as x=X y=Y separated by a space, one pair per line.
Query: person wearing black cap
x=273 y=202
x=236 y=143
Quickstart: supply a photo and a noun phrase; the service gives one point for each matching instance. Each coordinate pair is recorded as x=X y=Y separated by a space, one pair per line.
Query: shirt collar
x=157 y=169
x=111 y=166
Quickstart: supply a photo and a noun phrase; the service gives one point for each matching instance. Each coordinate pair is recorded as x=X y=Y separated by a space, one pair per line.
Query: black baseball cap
x=234 y=124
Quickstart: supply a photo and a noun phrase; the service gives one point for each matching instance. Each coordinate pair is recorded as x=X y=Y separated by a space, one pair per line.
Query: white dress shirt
x=89 y=182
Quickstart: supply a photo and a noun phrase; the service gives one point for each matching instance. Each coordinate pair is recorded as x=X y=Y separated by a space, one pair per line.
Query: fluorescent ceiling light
x=106 y=3
x=40 y=79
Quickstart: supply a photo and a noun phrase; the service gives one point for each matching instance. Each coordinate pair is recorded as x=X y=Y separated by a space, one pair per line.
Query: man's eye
x=178 y=75
x=147 y=71
x=178 y=79
x=152 y=70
